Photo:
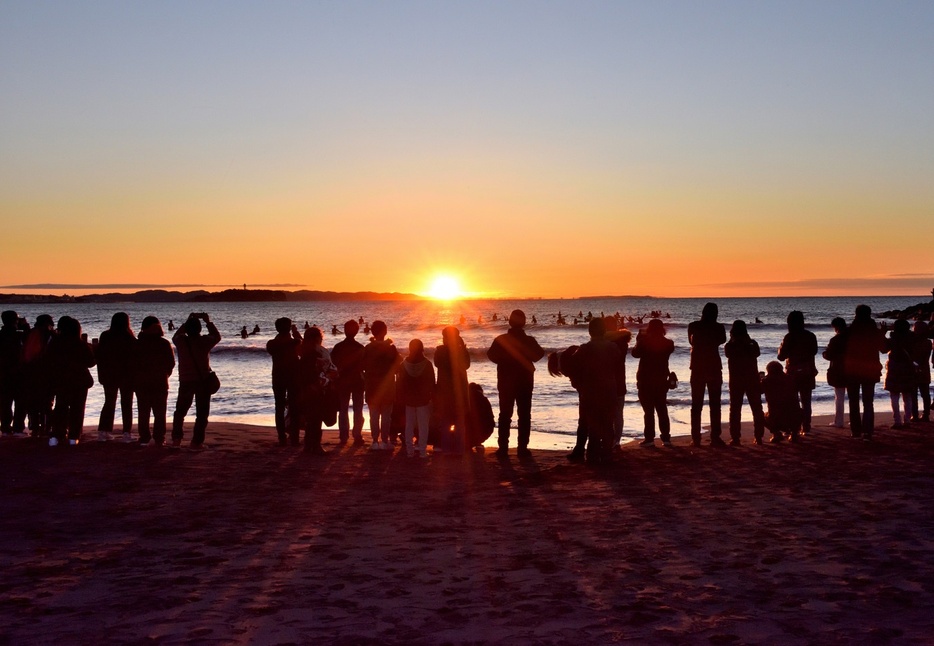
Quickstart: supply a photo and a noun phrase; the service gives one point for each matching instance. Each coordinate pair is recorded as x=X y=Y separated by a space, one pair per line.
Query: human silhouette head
x=901 y=327
x=739 y=330
x=838 y=324
x=921 y=328
x=313 y=336
x=9 y=318
x=416 y=349
x=774 y=368
x=192 y=326
x=351 y=328
x=863 y=313
x=610 y=323
x=596 y=328
x=450 y=335
x=710 y=312
x=517 y=319
x=120 y=322
x=69 y=328
x=795 y=321
x=283 y=325
x=45 y=321
x=379 y=329
x=151 y=325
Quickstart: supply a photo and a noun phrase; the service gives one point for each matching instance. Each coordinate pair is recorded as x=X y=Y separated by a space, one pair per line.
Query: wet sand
x=827 y=541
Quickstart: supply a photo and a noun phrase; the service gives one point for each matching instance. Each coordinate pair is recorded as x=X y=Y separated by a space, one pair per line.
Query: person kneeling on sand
x=416 y=385
x=784 y=415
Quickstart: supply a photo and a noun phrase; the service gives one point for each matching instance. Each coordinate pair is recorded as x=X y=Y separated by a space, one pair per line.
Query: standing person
x=862 y=369
x=784 y=414
x=742 y=354
x=653 y=349
x=347 y=355
x=706 y=336
x=316 y=373
x=115 y=373
x=37 y=386
x=283 y=348
x=515 y=354
x=12 y=342
x=451 y=397
x=922 y=357
x=798 y=349
x=621 y=337
x=416 y=385
x=836 y=379
x=194 y=376
x=153 y=363
x=900 y=373
x=596 y=367
x=380 y=360
x=70 y=356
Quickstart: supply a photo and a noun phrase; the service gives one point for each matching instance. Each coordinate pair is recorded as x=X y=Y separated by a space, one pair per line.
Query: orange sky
x=630 y=149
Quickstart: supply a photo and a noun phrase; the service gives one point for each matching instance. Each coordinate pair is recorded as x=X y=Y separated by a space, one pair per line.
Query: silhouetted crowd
x=45 y=378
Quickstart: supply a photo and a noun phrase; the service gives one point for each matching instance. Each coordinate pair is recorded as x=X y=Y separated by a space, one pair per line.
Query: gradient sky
x=528 y=148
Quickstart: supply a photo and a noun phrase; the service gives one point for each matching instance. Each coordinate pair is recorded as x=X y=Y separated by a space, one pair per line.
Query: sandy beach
x=827 y=541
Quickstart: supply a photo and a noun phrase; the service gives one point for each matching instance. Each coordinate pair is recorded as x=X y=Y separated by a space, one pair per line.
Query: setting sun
x=445 y=288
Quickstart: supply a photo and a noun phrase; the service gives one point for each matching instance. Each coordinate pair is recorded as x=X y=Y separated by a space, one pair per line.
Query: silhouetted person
x=742 y=354
x=900 y=373
x=194 y=376
x=515 y=354
x=317 y=371
x=244 y=333
x=621 y=337
x=706 y=336
x=653 y=349
x=562 y=364
x=37 y=385
x=836 y=379
x=784 y=414
x=597 y=367
x=12 y=344
x=798 y=349
x=416 y=389
x=255 y=329
x=380 y=360
x=153 y=363
x=451 y=398
x=171 y=325
x=70 y=356
x=347 y=355
x=284 y=350
x=115 y=373
x=863 y=370
x=922 y=357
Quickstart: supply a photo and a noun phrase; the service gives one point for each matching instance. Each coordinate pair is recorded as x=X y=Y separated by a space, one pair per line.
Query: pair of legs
x=655 y=402
x=201 y=395
x=417 y=417
x=906 y=399
x=68 y=415
x=714 y=388
x=354 y=395
x=923 y=413
x=751 y=392
x=111 y=391
x=155 y=402
x=618 y=419
x=380 y=421
x=856 y=391
x=804 y=398
x=839 y=405
x=286 y=397
x=515 y=396
x=12 y=409
x=314 y=407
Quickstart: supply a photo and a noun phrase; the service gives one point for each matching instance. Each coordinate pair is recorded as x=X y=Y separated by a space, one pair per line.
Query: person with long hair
x=70 y=357
x=115 y=373
x=153 y=363
x=316 y=372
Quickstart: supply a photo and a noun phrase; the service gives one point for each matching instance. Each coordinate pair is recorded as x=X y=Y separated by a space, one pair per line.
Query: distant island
x=203 y=296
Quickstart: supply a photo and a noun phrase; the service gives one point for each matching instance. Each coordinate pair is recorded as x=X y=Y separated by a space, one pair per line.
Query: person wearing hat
x=515 y=354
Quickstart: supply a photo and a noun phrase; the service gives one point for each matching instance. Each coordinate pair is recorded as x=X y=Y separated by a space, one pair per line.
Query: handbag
x=210 y=381
x=672 y=381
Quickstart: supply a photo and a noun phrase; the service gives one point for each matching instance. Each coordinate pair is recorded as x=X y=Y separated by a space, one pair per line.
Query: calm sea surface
x=244 y=366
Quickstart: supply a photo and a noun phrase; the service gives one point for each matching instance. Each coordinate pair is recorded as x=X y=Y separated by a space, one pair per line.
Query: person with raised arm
x=653 y=349
x=284 y=349
x=196 y=380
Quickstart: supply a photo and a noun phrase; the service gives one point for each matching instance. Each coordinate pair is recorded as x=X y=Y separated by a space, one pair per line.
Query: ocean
x=244 y=366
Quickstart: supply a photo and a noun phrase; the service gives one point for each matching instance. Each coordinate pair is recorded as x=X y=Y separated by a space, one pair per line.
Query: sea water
x=244 y=367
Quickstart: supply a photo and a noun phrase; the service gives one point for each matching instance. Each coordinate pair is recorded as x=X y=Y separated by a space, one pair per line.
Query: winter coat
x=347 y=355
x=798 y=350
x=416 y=382
x=68 y=363
x=115 y=358
x=451 y=397
x=380 y=360
x=153 y=362
x=900 y=373
x=194 y=362
x=283 y=348
x=742 y=356
x=836 y=349
x=515 y=354
x=864 y=343
x=652 y=351
x=705 y=338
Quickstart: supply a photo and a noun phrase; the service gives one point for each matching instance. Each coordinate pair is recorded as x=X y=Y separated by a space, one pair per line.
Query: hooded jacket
x=416 y=382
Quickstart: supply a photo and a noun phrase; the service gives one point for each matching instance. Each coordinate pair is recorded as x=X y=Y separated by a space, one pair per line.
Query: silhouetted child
x=784 y=415
x=416 y=385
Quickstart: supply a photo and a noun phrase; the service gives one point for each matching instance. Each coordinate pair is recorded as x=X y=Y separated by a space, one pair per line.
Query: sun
x=445 y=288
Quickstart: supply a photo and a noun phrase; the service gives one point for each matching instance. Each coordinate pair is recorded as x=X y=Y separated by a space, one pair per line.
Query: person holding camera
x=196 y=380
x=653 y=349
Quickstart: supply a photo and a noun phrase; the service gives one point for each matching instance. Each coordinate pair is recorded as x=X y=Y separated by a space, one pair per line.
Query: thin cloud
x=135 y=286
x=896 y=281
